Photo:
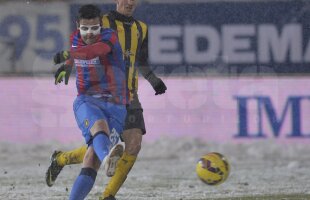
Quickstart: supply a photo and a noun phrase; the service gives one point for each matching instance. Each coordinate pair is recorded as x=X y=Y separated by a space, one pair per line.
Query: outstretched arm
x=84 y=52
x=91 y=51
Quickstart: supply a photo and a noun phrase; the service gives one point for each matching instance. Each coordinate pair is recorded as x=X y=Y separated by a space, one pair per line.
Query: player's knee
x=100 y=125
x=133 y=149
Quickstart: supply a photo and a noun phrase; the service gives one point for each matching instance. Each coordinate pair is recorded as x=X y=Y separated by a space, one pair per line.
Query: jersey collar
x=118 y=16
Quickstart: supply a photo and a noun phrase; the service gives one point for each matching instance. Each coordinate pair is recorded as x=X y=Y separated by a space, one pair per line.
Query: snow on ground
x=165 y=170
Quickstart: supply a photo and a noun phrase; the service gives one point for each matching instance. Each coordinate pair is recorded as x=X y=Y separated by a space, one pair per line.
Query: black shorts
x=134 y=117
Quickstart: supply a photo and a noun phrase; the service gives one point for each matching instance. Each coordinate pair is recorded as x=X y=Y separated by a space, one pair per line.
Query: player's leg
x=100 y=135
x=86 y=179
x=93 y=123
x=116 y=127
x=74 y=156
x=60 y=159
x=132 y=139
x=95 y=155
x=132 y=136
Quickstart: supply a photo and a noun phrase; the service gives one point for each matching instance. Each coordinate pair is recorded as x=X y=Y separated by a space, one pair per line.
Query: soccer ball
x=213 y=168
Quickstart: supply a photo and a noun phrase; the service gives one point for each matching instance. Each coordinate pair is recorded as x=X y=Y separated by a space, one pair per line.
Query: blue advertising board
x=225 y=38
x=31 y=34
x=221 y=38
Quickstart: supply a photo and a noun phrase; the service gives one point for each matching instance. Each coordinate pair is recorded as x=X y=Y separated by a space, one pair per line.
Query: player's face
x=89 y=29
x=126 y=7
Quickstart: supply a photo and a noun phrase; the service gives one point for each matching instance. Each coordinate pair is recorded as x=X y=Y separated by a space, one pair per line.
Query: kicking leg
x=92 y=160
x=86 y=179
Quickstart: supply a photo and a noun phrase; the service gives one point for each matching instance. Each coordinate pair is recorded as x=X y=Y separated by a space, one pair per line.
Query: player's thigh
x=134 y=118
x=100 y=125
x=86 y=115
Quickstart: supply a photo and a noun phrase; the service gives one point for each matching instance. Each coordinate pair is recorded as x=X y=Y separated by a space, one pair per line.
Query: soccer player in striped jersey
x=100 y=106
x=133 y=37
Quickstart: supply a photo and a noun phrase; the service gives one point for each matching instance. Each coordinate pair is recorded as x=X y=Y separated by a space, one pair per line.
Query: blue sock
x=83 y=184
x=101 y=144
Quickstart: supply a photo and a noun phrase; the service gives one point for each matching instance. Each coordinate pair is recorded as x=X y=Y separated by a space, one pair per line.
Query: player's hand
x=160 y=87
x=61 y=57
x=63 y=72
x=157 y=84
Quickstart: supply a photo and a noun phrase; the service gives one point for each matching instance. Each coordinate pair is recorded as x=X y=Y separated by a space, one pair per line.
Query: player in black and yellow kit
x=133 y=37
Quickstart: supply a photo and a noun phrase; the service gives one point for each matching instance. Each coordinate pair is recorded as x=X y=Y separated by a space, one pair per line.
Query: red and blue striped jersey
x=100 y=68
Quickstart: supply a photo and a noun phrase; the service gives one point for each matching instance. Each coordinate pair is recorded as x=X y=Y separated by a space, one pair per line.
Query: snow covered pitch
x=165 y=170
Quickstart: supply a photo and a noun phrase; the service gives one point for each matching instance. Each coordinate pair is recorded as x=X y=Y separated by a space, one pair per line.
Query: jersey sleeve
x=144 y=67
x=73 y=39
x=144 y=52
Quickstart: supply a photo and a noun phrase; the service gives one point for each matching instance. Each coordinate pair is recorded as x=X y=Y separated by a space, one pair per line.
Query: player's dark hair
x=89 y=11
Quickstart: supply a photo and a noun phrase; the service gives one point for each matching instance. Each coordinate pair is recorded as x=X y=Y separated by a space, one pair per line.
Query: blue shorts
x=88 y=110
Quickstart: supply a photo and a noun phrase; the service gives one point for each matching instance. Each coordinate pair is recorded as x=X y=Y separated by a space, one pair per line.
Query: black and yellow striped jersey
x=132 y=35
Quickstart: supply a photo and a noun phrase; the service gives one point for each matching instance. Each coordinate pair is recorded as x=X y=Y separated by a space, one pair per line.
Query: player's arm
x=91 y=51
x=86 y=52
x=144 y=68
x=64 y=71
